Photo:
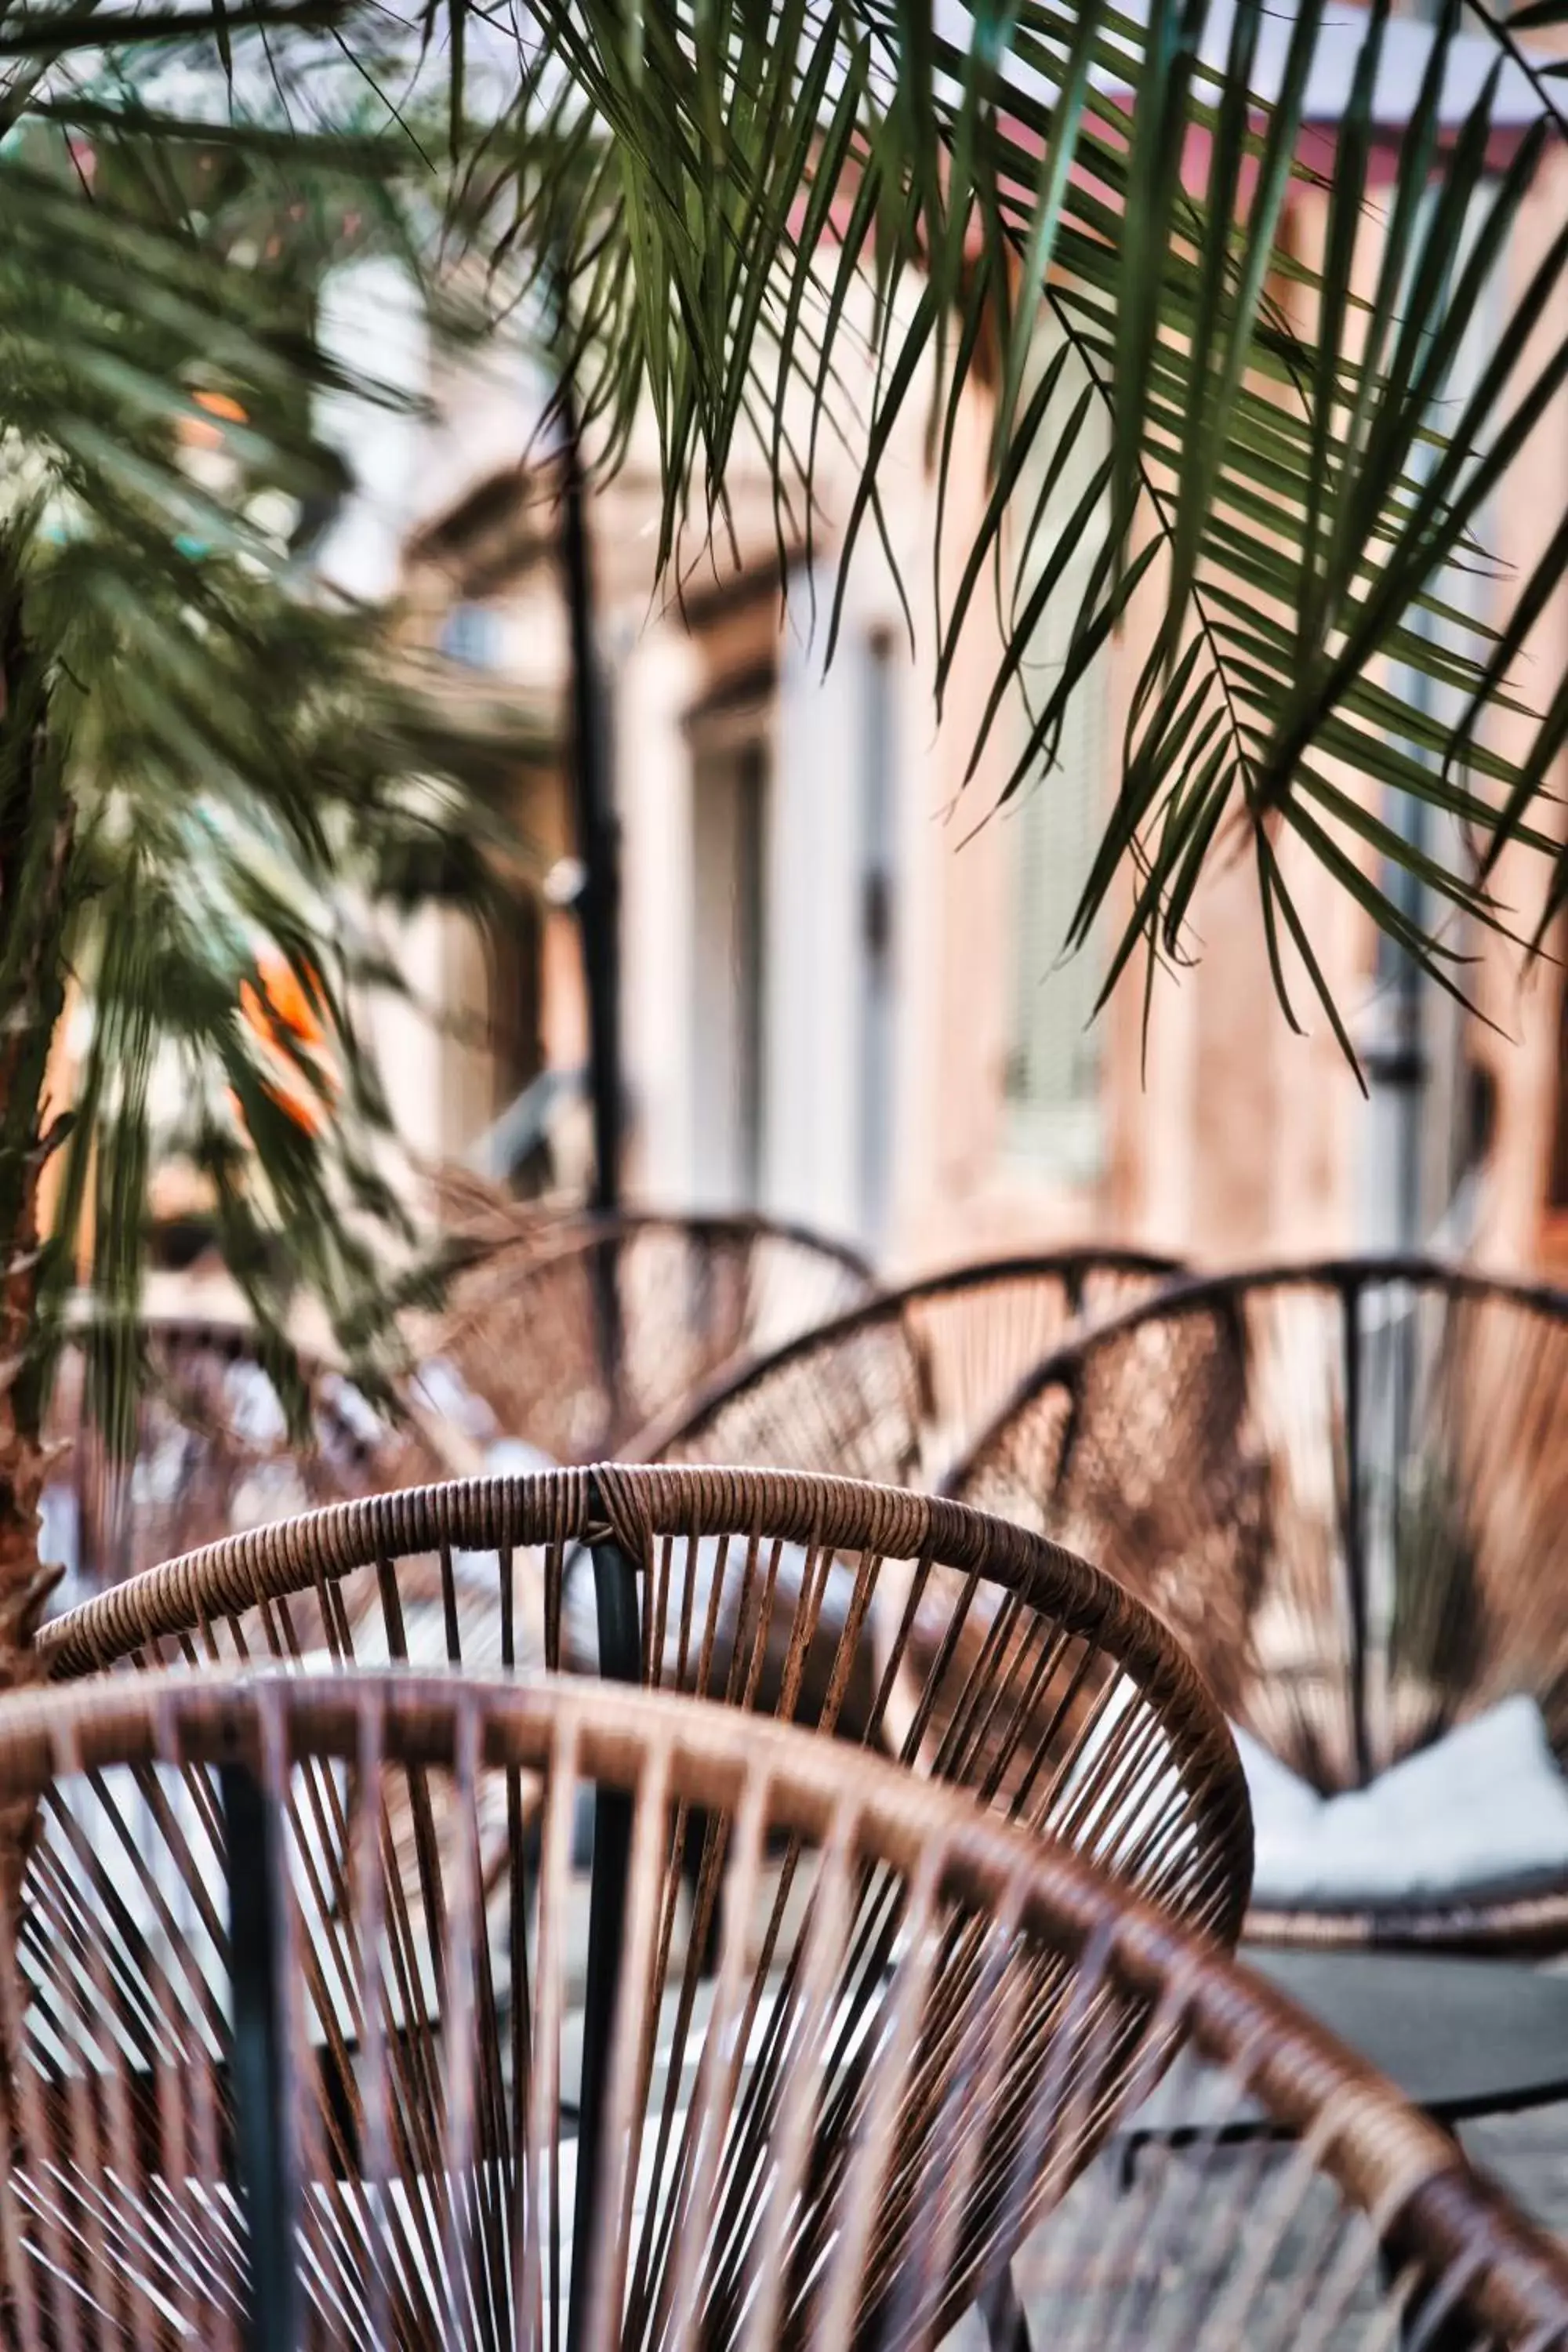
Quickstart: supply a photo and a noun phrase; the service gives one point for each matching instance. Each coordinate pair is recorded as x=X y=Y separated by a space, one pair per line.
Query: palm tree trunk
x=34 y=855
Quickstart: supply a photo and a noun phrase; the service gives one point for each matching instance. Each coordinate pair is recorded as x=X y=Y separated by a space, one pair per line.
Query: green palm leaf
x=203 y=762
x=753 y=202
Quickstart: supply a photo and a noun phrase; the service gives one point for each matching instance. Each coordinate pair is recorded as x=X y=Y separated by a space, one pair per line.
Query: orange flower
x=284 y=1005
x=197 y=435
x=289 y=1000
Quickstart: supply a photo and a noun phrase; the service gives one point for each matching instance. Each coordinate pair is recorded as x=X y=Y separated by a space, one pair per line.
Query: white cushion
x=1478 y=1815
x=444 y=1389
x=513 y=1457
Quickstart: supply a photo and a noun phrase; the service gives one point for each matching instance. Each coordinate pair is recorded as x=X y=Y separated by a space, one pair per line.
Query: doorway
x=730 y=809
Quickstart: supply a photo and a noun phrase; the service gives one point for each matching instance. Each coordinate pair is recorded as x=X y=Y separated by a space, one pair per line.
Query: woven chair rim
x=638 y=1503
x=578 y=1229
x=1189 y=1293
x=952 y=1281
x=228 y=1331
x=1380 y=2150
x=240 y=1340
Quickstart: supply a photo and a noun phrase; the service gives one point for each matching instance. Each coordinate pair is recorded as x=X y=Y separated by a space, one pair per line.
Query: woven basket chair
x=1345 y=1487
x=257 y=2095
x=893 y=1389
x=211 y=1450
x=976 y=1652
x=546 y=1304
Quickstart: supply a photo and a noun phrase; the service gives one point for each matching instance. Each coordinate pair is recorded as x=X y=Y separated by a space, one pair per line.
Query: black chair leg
x=620 y=1660
x=253 y=1835
x=1007 y=2322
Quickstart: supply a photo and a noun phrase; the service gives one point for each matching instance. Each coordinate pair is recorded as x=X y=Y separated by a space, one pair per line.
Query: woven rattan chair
x=578 y=1331
x=254 y=2090
x=894 y=1388
x=976 y=1652
x=1345 y=1486
x=210 y=1451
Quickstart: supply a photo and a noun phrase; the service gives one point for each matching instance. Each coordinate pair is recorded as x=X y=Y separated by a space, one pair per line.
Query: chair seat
x=1478 y=1815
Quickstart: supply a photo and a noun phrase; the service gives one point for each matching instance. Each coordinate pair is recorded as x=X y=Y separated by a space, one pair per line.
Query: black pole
x=598 y=901
x=620 y=1660
x=262 y=2121
x=1356 y=1523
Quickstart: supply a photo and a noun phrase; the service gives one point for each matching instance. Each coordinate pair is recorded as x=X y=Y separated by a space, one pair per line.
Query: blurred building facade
x=844 y=997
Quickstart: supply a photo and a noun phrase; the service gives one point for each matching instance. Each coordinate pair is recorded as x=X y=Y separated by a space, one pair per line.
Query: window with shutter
x=1054 y=1125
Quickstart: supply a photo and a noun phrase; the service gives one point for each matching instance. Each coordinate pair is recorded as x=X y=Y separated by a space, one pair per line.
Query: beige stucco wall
x=1521 y=1054
x=1234 y=1138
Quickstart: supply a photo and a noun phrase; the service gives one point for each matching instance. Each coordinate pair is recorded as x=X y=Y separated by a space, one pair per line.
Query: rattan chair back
x=258 y=2094
x=895 y=1387
x=1345 y=1487
x=976 y=1652
x=577 y=1332
x=208 y=1447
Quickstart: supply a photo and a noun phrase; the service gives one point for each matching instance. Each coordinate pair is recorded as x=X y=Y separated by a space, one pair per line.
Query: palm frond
x=216 y=828
x=215 y=769
x=762 y=210
x=744 y=205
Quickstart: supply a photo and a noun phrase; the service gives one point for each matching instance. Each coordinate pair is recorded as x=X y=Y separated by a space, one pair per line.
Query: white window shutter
x=1053 y=1083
